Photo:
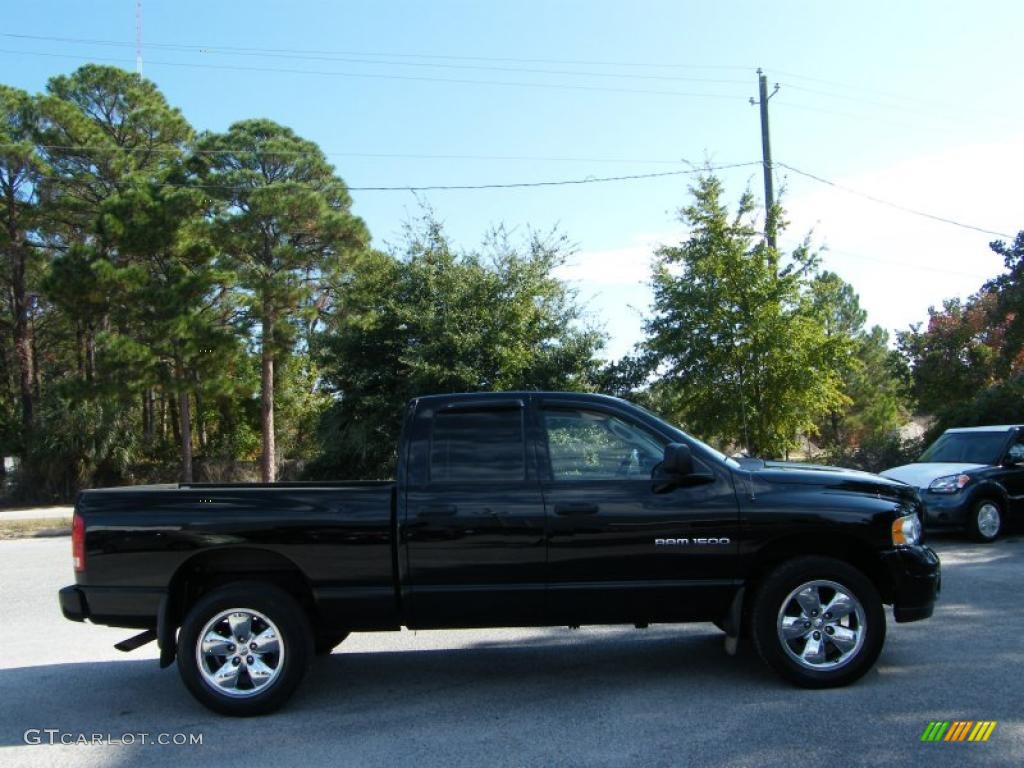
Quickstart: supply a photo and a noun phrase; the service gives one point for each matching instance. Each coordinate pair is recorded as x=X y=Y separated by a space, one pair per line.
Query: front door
x=618 y=552
x=474 y=519
x=1011 y=476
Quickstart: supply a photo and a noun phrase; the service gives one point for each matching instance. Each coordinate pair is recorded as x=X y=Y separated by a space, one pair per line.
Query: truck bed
x=337 y=536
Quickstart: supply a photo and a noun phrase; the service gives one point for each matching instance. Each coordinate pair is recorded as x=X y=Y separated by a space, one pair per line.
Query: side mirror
x=1014 y=456
x=678 y=459
x=676 y=470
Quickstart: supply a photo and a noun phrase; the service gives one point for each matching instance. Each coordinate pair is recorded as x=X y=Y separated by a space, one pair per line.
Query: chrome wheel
x=239 y=652
x=821 y=625
x=988 y=520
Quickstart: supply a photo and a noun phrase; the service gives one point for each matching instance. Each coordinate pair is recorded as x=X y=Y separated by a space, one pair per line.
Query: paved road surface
x=667 y=696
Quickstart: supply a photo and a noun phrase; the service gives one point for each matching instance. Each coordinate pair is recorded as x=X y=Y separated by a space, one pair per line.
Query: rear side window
x=477 y=445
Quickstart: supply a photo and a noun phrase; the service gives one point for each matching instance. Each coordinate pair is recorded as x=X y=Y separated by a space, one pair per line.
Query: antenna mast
x=138 y=37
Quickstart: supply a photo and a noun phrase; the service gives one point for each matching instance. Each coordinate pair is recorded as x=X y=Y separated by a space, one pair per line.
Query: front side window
x=477 y=446
x=1016 y=452
x=590 y=445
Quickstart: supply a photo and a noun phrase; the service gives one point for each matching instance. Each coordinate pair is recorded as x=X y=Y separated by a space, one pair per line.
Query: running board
x=129 y=645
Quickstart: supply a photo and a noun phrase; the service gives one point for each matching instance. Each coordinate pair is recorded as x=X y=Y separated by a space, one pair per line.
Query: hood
x=850 y=480
x=920 y=475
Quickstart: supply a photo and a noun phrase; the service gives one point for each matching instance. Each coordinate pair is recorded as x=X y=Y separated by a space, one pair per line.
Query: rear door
x=474 y=517
x=618 y=552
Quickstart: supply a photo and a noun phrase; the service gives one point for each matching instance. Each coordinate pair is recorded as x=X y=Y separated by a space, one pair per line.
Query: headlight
x=906 y=530
x=949 y=483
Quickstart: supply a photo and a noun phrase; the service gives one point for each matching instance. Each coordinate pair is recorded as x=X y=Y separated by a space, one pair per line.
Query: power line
x=889 y=203
x=427 y=187
x=825 y=250
x=378 y=76
x=890 y=106
x=902 y=96
x=448 y=57
x=376 y=155
x=865 y=118
x=348 y=59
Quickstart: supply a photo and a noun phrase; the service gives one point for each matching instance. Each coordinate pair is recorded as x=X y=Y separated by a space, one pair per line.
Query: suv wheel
x=985 y=521
x=243 y=649
x=819 y=622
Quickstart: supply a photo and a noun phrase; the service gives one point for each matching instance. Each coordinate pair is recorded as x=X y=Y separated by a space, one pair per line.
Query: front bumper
x=944 y=509
x=916 y=576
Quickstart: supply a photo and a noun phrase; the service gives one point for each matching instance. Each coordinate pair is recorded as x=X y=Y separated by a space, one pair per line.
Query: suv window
x=477 y=445
x=590 y=445
x=967 y=447
x=1016 y=452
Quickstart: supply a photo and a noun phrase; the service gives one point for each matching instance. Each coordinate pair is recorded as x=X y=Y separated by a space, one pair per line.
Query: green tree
x=102 y=129
x=734 y=335
x=968 y=361
x=434 y=319
x=1009 y=309
x=21 y=173
x=873 y=377
x=174 y=300
x=286 y=231
x=957 y=354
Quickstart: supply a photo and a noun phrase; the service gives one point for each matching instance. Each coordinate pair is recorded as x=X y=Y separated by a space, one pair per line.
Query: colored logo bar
x=958 y=730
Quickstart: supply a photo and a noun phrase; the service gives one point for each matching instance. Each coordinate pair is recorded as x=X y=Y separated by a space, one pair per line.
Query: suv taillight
x=78 y=543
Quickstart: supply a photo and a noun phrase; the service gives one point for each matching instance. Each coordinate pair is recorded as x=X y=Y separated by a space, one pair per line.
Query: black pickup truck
x=509 y=509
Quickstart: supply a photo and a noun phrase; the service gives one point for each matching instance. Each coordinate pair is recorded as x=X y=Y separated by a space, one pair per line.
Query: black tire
x=774 y=596
x=980 y=520
x=323 y=644
x=294 y=641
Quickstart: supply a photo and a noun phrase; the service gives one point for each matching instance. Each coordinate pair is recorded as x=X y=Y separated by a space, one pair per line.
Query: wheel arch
x=989 y=490
x=213 y=568
x=848 y=549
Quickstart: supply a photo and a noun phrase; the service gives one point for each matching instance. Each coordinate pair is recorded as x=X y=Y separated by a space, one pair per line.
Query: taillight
x=78 y=543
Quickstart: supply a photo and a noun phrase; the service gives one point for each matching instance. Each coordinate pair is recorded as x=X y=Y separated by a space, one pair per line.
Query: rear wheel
x=244 y=648
x=985 y=521
x=819 y=622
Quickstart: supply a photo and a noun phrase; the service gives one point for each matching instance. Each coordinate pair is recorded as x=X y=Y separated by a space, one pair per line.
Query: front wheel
x=819 y=622
x=243 y=649
x=985 y=521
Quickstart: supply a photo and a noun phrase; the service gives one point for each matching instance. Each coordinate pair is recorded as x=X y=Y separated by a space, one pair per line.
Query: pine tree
x=286 y=231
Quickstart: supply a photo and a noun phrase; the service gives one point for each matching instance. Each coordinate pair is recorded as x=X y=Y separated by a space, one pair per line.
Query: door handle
x=440 y=510
x=576 y=509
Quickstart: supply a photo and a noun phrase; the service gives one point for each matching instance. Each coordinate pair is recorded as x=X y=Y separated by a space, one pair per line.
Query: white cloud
x=901 y=263
x=627 y=265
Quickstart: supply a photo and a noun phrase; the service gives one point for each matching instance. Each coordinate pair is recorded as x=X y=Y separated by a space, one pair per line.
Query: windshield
x=965 y=447
x=718 y=454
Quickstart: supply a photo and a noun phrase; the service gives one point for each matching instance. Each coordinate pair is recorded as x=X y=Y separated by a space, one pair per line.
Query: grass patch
x=31 y=529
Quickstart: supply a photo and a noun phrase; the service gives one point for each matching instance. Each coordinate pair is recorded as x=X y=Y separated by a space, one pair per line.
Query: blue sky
x=916 y=103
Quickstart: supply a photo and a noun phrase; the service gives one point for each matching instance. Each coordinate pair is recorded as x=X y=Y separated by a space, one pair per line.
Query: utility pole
x=138 y=37
x=766 y=152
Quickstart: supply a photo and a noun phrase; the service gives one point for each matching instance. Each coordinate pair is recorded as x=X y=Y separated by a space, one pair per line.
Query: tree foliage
x=286 y=230
x=968 y=361
x=734 y=335
x=195 y=306
x=429 y=319
x=873 y=378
